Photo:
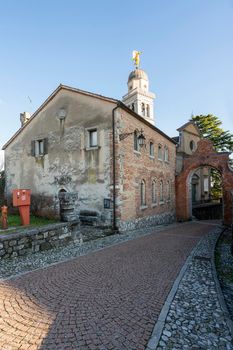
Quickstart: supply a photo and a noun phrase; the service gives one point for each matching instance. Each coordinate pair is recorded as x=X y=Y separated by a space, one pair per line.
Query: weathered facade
x=86 y=145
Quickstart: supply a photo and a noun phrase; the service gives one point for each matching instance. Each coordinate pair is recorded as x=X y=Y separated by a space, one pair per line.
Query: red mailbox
x=22 y=199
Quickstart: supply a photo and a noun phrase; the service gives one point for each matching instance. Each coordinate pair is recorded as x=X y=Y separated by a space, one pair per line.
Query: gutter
x=115 y=228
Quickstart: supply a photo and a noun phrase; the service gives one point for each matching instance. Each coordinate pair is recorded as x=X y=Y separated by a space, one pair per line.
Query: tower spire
x=139 y=98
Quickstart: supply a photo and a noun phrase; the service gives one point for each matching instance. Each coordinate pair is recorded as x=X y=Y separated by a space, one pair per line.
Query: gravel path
x=197 y=318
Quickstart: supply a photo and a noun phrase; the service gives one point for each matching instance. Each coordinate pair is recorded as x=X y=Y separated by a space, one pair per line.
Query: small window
x=160 y=152
x=143 y=193
x=161 y=198
x=39 y=147
x=168 y=191
x=136 y=143
x=148 y=111
x=192 y=145
x=152 y=152
x=92 y=137
x=132 y=107
x=166 y=154
x=154 y=192
x=143 y=109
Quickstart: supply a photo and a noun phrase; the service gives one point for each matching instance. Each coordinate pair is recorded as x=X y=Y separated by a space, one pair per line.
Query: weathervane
x=136 y=58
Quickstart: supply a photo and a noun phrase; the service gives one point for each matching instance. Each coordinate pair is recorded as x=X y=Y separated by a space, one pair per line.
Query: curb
x=158 y=328
x=219 y=290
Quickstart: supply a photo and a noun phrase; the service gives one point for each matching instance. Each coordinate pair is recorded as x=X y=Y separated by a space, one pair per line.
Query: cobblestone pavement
x=196 y=318
x=108 y=299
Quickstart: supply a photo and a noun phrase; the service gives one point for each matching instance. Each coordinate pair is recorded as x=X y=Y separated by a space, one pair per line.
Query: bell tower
x=139 y=98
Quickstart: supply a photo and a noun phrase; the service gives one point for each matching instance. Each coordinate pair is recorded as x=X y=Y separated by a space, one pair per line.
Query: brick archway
x=205 y=155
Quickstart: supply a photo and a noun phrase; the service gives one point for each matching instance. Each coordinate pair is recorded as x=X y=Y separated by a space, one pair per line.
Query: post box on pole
x=22 y=200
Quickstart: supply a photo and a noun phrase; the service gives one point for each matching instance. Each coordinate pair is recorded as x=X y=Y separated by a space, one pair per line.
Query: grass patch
x=15 y=222
x=224 y=268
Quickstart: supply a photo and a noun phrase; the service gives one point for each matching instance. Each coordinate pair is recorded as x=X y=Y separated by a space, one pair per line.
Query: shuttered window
x=39 y=147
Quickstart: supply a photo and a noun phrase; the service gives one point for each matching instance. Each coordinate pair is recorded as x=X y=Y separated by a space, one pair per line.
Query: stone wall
x=34 y=240
x=162 y=219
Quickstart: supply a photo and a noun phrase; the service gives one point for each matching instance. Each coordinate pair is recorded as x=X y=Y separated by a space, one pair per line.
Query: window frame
x=161 y=192
x=136 y=146
x=39 y=147
x=168 y=190
x=151 y=149
x=160 y=152
x=166 y=154
x=88 y=132
x=143 y=194
x=154 y=192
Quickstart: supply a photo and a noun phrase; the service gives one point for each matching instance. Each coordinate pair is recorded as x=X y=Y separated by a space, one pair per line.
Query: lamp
x=140 y=136
x=141 y=139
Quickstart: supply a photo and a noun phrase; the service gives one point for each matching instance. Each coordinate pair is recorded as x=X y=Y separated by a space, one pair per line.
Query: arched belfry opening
x=214 y=164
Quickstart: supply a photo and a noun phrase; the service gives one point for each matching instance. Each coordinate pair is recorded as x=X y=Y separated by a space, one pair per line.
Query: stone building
x=118 y=168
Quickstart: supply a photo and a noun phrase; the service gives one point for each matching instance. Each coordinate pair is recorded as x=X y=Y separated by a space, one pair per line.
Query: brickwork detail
x=133 y=167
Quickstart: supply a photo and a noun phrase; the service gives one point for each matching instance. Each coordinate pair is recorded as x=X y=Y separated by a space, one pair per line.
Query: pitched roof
x=87 y=93
x=54 y=93
x=190 y=122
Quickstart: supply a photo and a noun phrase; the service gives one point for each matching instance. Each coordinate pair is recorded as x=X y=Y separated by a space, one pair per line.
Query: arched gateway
x=204 y=155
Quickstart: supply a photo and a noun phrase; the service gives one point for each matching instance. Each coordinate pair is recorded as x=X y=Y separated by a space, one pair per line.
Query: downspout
x=115 y=228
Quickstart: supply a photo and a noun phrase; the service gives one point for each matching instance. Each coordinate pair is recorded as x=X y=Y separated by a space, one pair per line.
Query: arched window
x=160 y=152
x=154 y=192
x=143 y=109
x=132 y=107
x=136 y=143
x=168 y=191
x=166 y=154
x=148 y=110
x=143 y=192
x=161 y=196
x=152 y=152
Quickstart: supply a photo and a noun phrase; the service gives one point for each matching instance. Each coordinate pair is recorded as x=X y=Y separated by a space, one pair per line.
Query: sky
x=187 y=53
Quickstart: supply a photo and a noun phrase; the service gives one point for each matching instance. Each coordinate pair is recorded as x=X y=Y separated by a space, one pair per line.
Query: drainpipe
x=115 y=228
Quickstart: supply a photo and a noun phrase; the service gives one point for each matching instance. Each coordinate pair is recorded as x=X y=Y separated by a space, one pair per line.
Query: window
x=168 y=191
x=161 y=192
x=192 y=145
x=132 y=107
x=154 y=192
x=147 y=110
x=39 y=147
x=160 y=152
x=143 y=109
x=152 y=152
x=143 y=193
x=166 y=154
x=136 y=143
x=92 y=137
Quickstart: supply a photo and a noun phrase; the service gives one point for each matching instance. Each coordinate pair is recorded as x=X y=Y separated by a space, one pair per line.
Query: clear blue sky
x=187 y=52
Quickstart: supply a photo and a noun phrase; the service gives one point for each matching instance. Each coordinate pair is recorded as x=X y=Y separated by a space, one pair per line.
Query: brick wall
x=132 y=167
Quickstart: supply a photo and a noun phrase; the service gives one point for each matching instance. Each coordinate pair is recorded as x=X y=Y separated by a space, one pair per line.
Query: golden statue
x=136 y=57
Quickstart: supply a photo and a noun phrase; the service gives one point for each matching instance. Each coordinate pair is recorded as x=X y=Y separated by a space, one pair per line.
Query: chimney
x=24 y=118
